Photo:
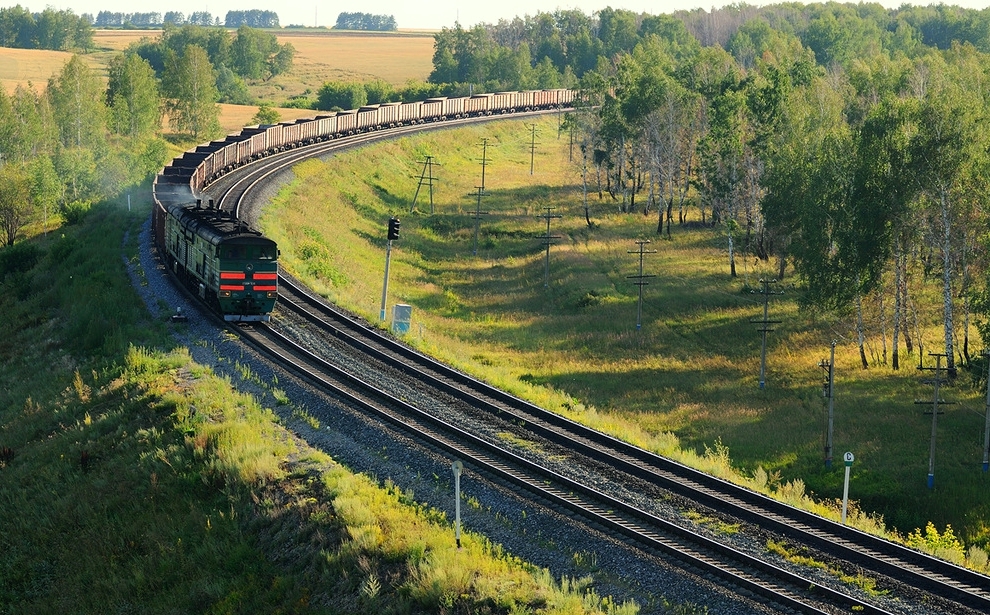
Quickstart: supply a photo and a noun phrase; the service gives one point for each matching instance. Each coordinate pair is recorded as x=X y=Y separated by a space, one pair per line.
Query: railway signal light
x=393 y=228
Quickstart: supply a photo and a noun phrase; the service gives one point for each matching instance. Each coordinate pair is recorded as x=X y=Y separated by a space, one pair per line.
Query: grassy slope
x=135 y=480
x=692 y=369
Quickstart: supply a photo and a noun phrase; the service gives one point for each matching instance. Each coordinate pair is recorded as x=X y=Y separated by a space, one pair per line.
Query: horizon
x=434 y=16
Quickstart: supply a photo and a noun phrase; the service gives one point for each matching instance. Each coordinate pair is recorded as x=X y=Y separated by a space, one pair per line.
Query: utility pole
x=484 y=161
x=532 y=147
x=425 y=180
x=936 y=382
x=765 y=327
x=641 y=279
x=829 y=392
x=548 y=241
x=476 y=214
x=481 y=192
x=584 y=185
x=570 y=144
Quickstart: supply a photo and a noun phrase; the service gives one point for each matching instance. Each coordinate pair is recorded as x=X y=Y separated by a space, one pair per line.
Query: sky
x=424 y=14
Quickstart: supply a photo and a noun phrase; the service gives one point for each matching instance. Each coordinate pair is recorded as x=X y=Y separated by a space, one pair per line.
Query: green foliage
x=944 y=545
x=51 y=29
x=16 y=205
x=337 y=95
x=266 y=115
x=191 y=93
x=18 y=258
x=75 y=211
x=365 y=21
x=77 y=100
x=133 y=97
x=232 y=88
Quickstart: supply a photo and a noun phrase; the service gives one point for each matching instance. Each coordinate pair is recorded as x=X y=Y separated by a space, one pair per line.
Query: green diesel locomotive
x=232 y=267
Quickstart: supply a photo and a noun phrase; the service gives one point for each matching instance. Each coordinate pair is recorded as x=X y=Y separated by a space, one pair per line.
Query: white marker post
x=457 y=466
x=848 y=458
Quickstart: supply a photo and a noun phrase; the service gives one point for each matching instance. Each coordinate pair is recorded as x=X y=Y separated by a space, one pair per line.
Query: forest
x=843 y=143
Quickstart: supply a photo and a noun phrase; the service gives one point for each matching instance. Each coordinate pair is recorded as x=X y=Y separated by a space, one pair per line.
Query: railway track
x=749 y=575
x=858 y=550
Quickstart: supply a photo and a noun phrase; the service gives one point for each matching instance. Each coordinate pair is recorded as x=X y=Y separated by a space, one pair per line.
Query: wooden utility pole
x=641 y=279
x=936 y=402
x=548 y=240
x=765 y=327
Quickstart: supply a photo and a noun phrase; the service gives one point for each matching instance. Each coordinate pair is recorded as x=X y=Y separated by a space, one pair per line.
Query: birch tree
x=190 y=88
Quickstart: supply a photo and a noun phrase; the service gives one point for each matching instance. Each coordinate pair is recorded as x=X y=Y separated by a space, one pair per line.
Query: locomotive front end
x=248 y=278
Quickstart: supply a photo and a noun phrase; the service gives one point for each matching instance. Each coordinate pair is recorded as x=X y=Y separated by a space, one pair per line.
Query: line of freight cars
x=220 y=257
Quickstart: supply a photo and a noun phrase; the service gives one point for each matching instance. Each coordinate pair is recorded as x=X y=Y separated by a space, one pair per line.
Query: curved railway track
x=858 y=550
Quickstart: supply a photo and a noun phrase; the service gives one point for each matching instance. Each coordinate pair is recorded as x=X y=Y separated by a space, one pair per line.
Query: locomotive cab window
x=233 y=251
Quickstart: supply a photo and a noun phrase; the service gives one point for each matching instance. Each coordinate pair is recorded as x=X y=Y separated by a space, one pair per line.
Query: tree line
x=365 y=21
x=234 y=19
x=49 y=29
x=555 y=49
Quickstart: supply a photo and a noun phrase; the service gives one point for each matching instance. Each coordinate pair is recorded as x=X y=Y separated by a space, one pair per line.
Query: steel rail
x=643 y=529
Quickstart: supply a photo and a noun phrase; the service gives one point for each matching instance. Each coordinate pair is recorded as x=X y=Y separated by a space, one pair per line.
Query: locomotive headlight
x=272 y=294
x=224 y=293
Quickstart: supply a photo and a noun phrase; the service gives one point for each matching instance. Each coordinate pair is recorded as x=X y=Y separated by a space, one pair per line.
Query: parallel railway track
x=856 y=549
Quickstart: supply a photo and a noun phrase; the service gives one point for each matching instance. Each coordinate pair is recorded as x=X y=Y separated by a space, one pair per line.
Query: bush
x=18 y=258
x=75 y=211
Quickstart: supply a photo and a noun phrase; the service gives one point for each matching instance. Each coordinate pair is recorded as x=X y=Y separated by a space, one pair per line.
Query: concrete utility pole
x=476 y=214
x=829 y=392
x=426 y=180
x=481 y=192
x=765 y=324
x=936 y=382
x=532 y=147
x=548 y=241
x=484 y=161
x=641 y=279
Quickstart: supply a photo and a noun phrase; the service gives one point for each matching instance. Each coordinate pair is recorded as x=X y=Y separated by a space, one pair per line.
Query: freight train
x=232 y=266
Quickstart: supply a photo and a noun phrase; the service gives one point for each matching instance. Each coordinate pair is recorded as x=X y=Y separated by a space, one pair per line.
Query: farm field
x=320 y=57
x=326 y=56
x=32 y=66
x=688 y=376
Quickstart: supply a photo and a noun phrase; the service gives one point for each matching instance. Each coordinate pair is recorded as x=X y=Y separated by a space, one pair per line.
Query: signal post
x=393 y=234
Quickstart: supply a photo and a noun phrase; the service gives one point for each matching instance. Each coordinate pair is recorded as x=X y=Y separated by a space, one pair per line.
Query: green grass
x=133 y=479
x=684 y=385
